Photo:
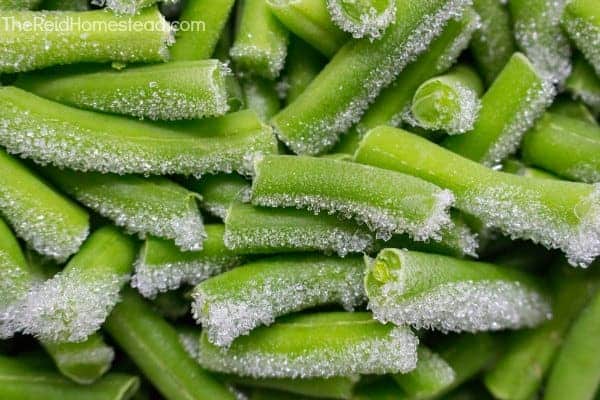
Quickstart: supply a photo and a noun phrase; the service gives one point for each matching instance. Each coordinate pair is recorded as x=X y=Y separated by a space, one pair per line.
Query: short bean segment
x=218 y=192
x=438 y=292
x=260 y=44
x=584 y=84
x=74 y=303
x=261 y=95
x=363 y=18
x=87 y=141
x=343 y=90
x=146 y=206
x=518 y=96
x=353 y=191
x=448 y=102
x=565 y=146
x=50 y=224
x=303 y=64
x=581 y=20
x=24 y=50
x=556 y=214
x=315 y=345
x=171 y=91
x=236 y=302
x=154 y=347
x=259 y=230
x=161 y=266
x=493 y=43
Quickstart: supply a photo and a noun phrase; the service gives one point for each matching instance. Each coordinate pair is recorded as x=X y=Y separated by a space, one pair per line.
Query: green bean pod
x=315 y=345
x=74 y=303
x=556 y=214
x=337 y=387
x=26 y=50
x=236 y=302
x=260 y=43
x=171 y=91
x=353 y=191
x=581 y=20
x=573 y=109
x=219 y=192
x=513 y=103
x=87 y=141
x=303 y=64
x=584 y=84
x=343 y=90
x=50 y=224
x=154 y=347
x=564 y=146
x=363 y=19
x=161 y=266
x=516 y=167
x=261 y=96
x=146 y=206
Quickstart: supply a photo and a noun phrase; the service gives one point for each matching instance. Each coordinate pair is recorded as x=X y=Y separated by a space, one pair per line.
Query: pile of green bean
x=299 y=199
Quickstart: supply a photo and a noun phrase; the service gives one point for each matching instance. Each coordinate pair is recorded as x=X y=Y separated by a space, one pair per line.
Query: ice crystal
x=372 y=24
x=273 y=58
x=587 y=38
x=449 y=56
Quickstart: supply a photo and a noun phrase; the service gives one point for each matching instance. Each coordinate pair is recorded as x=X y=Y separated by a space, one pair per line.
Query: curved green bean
x=581 y=20
x=363 y=19
x=219 y=192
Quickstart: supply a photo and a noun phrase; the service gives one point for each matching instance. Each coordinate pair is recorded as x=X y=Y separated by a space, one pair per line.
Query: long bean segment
x=236 y=302
x=82 y=140
x=146 y=206
x=315 y=345
x=260 y=43
x=339 y=95
x=161 y=266
x=219 y=192
x=26 y=50
x=449 y=102
x=565 y=146
x=50 y=224
x=74 y=303
x=581 y=20
x=363 y=18
x=584 y=84
x=518 y=96
x=258 y=230
x=154 y=346
x=171 y=91
x=353 y=191
x=438 y=292
x=557 y=214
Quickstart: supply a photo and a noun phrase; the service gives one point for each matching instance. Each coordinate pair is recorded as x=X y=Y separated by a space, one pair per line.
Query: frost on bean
x=363 y=19
x=586 y=36
x=461 y=41
x=432 y=376
x=129 y=6
x=220 y=191
x=277 y=287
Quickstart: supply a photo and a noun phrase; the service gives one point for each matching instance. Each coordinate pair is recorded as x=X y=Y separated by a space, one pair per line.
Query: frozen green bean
x=581 y=20
x=261 y=96
x=131 y=7
x=65 y=5
x=368 y=18
x=303 y=64
x=315 y=345
x=584 y=84
x=218 y=192
x=516 y=167
x=337 y=387
x=572 y=108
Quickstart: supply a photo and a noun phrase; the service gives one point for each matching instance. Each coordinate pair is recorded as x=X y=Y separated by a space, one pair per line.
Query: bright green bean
x=154 y=346
x=26 y=50
x=337 y=387
x=343 y=90
x=565 y=146
x=218 y=192
x=161 y=266
x=353 y=191
x=303 y=64
x=261 y=95
x=368 y=18
x=518 y=96
x=236 y=302
x=581 y=20
x=584 y=84
x=572 y=108
x=315 y=345
x=513 y=166
x=557 y=214
x=260 y=44
x=88 y=141
x=172 y=91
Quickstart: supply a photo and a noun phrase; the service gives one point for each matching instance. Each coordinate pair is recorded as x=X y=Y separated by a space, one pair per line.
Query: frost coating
x=129 y=6
x=587 y=38
x=372 y=24
x=275 y=58
x=460 y=43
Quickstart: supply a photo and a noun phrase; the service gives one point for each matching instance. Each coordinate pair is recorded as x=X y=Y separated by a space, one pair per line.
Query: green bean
x=74 y=303
x=161 y=266
x=343 y=90
x=439 y=292
x=198 y=44
x=236 y=302
x=260 y=44
x=513 y=166
x=576 y=371
x=513 y=103
x=19 y=4
x=87 y=141
x=539 y=35
x=381 y=389
x=224 y=43
x=363 y=19
x=310 y=21
x=493 y=43
x=154 y=346
x=584 y=84
x=50 y=224
x=572 y=108
x=519 y=372
x=315 y=345
x=22 y=379
x=258 y=230
x=261 y=95
x=556 y=214
x=26 y=50
x=581 y=20
x=353 y=191
x=337 y=387
x=302 y=66
x=146 y=206
x=565 y=146
x=172 y=91
x=218 y=192
x=448 y=102
x=65 y=5
x=131 y=7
